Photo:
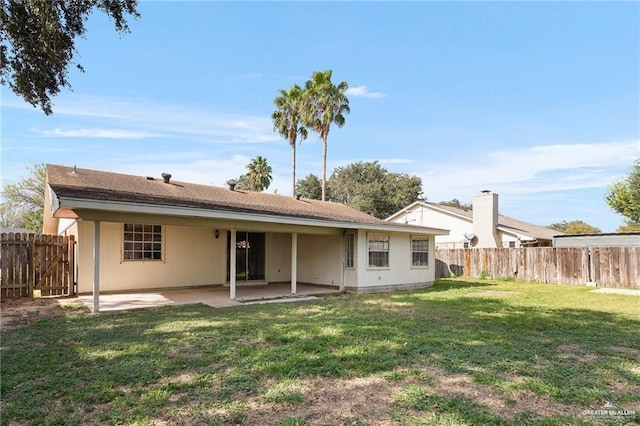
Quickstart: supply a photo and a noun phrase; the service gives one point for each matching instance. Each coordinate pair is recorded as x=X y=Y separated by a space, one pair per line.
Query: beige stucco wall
x=400 y=273
x=278 y=261
x=191 y=256
x=49 y=223
x=320 y=259
x=84 y=256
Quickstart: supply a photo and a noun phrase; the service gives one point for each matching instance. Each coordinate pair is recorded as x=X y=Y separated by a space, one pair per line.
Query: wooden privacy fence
x=32 y=263
x=601 y=266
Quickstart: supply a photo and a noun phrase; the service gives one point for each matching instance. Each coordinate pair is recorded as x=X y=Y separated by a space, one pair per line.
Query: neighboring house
x=481 y=226
x=138 y=232
x=627 y=239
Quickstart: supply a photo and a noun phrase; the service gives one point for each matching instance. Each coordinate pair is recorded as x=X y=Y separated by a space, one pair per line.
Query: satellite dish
x=472 y=238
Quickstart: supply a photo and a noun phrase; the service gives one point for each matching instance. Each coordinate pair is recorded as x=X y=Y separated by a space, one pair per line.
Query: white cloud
x=362 y=91
x=542 y=184
x=98 y=133
x=149 y=117
x=531 y=170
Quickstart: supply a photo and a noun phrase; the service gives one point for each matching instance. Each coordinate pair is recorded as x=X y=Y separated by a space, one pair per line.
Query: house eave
x=521 y=234
x=89 y=209
x=515 y=233
x=412 y=207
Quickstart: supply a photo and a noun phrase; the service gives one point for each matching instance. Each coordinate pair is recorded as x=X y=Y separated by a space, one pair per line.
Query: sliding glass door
x=250 y=255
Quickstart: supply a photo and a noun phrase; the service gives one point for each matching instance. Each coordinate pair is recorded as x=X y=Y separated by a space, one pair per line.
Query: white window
x=142 y=242
x=378 y=251
x=349 y=249
x=419 y=251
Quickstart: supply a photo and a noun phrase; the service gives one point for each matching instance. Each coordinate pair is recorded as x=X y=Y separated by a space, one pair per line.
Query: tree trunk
x=324 y=169
x=293 y=161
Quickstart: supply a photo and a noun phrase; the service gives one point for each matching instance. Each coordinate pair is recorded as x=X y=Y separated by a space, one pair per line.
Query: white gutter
x=130 y=207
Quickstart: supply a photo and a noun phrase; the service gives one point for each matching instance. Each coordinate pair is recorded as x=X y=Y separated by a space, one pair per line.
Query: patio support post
x=96 y=266
x=294 y=262
x=232 y=265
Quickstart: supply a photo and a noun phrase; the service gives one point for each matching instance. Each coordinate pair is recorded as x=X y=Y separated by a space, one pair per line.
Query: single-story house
x=481 y=226
x=142 y=232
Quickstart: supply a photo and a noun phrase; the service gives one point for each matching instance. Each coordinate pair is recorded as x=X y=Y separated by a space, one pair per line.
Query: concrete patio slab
x=215 y=296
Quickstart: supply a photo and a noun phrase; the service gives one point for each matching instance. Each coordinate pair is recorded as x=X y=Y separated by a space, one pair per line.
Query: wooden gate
x=37 y=265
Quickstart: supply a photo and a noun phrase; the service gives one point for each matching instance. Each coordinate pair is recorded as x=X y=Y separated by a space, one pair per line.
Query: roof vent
x=232 y=184
x=150 y=178
x=166 y=177
x=298 y=195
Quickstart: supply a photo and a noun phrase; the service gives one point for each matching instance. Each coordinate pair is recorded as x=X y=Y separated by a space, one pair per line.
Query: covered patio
x=215 y=296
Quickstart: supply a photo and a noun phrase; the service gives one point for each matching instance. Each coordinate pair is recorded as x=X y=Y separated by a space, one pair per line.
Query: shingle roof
x=115 y=187
x=535 y=231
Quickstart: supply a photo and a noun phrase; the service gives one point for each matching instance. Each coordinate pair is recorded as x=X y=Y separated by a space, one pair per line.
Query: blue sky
x=536 y=101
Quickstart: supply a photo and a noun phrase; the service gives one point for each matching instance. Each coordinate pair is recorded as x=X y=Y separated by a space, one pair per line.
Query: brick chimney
x=485 y=219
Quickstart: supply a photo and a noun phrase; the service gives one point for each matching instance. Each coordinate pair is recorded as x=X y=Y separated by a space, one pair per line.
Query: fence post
x=467 y=262
x=32 y=265
x=591 y=270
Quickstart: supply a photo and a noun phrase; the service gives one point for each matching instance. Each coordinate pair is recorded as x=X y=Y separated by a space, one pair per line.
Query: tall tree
x=310 y=187
x=10 y=216
x=624 y=196
x=575 y=227
x=325 y=104
x=26 y=197
x=629 y=227
x=369 y=187
x=287 y=121
x=258 y=178
x=37 y=42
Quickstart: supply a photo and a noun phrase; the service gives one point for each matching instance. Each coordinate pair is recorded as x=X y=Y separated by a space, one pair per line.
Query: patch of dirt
x=625 y=350
x=23 y=311
x=568 y=348
x=500 y=403
x=332 y=401
x=373 y=399
x=575 y=351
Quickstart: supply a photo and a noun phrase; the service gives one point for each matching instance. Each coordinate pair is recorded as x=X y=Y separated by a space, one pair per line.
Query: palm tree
x=325 y=104
x=287 y=121
x=259 y=176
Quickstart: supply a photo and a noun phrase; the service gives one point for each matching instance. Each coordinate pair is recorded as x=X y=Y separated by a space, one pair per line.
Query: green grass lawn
x=462 y=352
